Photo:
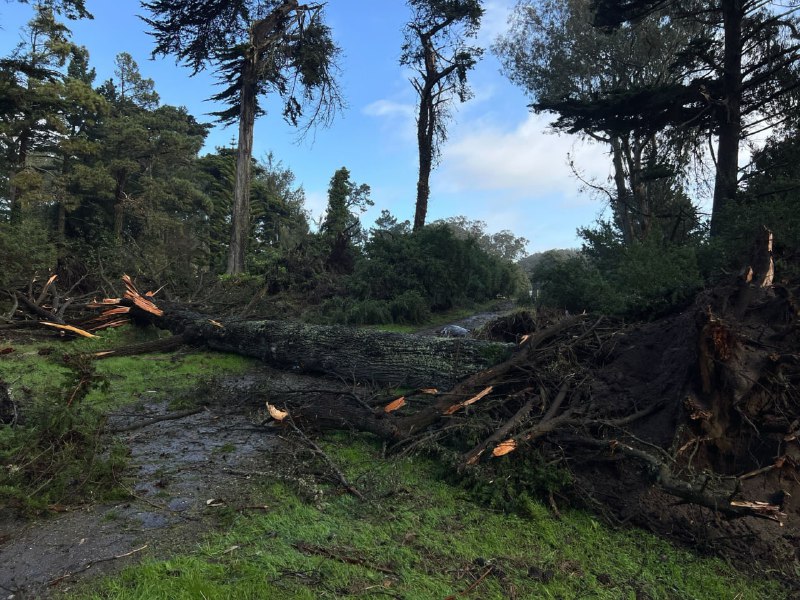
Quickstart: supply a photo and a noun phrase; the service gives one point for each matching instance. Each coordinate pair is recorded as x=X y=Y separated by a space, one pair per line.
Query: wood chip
x=395 y=405
x=504 y=448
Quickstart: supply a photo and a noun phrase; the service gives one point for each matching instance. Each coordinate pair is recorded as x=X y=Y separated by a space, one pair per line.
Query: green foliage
x=341 y=227
x=641 y=279
x=512 y=483
x=503 y=244
x=262 y=47
x=771 y=199
x=403 y=277
x=26 y=250
x=56 y=454
x=434 y=262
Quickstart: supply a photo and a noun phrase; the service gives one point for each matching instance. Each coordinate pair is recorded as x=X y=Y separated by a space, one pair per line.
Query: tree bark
x=425 y=128
x=730 y=114
x=240 y=217
x=119 y=207
x=622 y=205
x=383 y=358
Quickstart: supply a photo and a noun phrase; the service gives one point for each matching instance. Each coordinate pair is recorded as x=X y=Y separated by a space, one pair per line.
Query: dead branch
x=38 y=310
x=181 y=414
x=323 y=455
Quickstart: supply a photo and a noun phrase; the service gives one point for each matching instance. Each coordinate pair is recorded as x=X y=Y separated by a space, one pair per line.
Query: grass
x=32 y=375
x=417 y=537
x=437 y=319
x=57 y=453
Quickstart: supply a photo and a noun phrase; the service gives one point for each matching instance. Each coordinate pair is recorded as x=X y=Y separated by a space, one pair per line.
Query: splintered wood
x=115 y=307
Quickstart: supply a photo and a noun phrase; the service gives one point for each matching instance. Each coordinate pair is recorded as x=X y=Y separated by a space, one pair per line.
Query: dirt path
x=473 y=322
x=176 y=467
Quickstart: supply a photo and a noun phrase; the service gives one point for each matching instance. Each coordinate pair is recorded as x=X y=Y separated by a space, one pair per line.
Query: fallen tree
x=685 y=425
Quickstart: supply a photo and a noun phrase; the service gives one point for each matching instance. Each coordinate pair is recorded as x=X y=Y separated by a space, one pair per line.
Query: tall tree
x=341 y=224
x=547 y=52
x=31 y=84
x=435 y=48
x=258 y=47
x=129 y=87
x=740 y=75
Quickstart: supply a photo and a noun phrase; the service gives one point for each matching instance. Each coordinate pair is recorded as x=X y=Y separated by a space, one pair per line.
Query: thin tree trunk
x=730 y=119
x=240 y=218
x=61 y=220
x=622 y=208
x=425 y=128
x=119 y=209
x=15 y=204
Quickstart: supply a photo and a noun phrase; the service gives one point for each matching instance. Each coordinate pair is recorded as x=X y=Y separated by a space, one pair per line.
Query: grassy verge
x=417 y=537
x=439 y=319
x=56 y=451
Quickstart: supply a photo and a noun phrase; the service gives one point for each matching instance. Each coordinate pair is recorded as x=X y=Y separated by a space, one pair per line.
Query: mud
x=176 y=467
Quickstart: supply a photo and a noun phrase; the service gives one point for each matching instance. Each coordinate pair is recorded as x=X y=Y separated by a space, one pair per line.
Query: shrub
x=642 y=279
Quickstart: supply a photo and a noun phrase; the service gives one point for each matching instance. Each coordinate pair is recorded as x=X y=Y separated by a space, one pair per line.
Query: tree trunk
x=15 y=203
x=61 y=220
x=622 y=209
x=425 y=127
x=384 y=358
x=240 y=218
x=730 y=117
x=119 y=208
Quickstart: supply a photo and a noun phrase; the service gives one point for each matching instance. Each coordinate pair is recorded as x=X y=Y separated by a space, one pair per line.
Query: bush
x=643 y=279
x=428 y=270
x=409 y=308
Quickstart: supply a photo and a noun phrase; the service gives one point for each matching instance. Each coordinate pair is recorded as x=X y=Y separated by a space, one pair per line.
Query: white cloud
x=524 y=161
x=397 y=119
x=494 y=21
x=389 y=108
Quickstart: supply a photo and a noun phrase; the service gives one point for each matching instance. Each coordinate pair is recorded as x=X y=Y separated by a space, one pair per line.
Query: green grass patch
x=417 y=537
x=57 y=452
x=438 y=319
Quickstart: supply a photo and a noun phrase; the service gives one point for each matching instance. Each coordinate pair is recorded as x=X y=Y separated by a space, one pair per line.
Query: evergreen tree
x=545 y=52
x=32 y=102
x=258 y=47
x=341 y=224
x=740 y=78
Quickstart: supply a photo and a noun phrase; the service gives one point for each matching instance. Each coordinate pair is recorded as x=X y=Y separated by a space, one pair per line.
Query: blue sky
x=499 y=164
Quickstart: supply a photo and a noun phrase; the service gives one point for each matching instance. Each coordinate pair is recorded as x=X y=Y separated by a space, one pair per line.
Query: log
x=364 y=355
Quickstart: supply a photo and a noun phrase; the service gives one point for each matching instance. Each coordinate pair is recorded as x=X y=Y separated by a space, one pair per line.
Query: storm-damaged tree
x=545 y=52
x=740 y=79
x=435 y=48
x=258 y=47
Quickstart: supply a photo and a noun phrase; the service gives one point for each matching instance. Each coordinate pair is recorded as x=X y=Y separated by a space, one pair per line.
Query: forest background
x=100 y=178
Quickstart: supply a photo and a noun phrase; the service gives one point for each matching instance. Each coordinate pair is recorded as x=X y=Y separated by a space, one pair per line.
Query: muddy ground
x=181 y=471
